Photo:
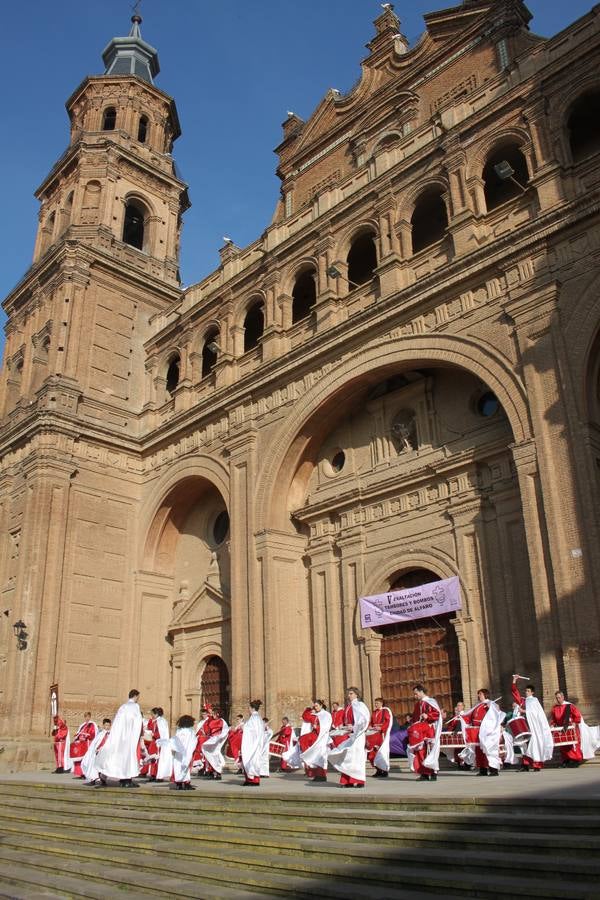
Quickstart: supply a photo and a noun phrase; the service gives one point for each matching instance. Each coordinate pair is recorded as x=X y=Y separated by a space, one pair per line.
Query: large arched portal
x=424 y=650
x=184 y=592
x=401 y=462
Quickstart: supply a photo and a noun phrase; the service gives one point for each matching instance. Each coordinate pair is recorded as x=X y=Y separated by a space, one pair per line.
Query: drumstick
x=523 y=677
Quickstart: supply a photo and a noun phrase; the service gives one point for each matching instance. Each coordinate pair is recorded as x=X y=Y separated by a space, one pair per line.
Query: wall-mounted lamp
x=213 y=347
x=334 y=272
x=20 y=630
x=505 y=172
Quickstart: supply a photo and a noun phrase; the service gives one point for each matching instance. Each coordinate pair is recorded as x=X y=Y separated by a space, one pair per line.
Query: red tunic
x=59 y=733
x=427 y=730
x=235 y=742
x=337 y=718
x=380 y=719
x=474 y=718
x=561 y=716
x=84 y=737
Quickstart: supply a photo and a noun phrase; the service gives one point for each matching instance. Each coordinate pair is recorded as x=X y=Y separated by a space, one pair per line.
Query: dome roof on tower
x=131 y=55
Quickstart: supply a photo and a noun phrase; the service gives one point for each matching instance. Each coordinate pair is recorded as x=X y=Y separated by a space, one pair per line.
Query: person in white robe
x=315 y=756
x=182 y=747
x=213 y=746
x=89 y=767
x=349 y=757
x=253 y=737
x=264 y=759
x=118 y=758
x=541 y=743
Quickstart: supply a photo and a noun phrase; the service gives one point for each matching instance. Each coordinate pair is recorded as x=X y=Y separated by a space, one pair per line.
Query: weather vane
x=136 y=8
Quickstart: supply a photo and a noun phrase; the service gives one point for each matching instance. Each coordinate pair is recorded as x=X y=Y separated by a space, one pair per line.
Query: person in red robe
x=60 y=733
x=424 y=719
x=530 y=707
x=473 y=718
x=337 y=715
x=563 y=714
x=84 y=737
x=284 y=736
x=381 y=722
x=203 y=733
x=235 y=742
x=214 y=725
x=151 y=746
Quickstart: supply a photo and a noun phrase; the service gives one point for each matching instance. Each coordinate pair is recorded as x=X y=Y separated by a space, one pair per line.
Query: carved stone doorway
x=425 y=650
x=214 y=685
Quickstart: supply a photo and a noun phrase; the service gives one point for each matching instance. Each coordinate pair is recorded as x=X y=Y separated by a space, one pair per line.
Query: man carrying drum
x=378 y=738
x=564 y=715
x=485 y=722
x=540 y=745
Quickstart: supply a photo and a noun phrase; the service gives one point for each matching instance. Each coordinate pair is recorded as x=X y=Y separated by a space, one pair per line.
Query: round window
x=338 y=461
x=221 y=527
x=488 y=404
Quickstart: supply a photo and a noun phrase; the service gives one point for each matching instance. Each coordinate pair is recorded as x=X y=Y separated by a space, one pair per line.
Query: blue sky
x=234 y=68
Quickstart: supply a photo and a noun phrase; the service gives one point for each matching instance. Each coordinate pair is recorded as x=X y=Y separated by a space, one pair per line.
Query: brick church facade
x=397 y=382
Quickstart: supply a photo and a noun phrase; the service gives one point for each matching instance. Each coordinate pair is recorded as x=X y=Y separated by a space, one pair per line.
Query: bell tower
x=105 y=262
x=110 y=216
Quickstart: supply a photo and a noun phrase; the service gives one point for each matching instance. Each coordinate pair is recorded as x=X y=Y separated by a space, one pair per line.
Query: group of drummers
x=344 y=739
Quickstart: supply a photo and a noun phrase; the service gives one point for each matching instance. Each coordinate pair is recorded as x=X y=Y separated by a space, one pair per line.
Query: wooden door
x=424 y=650
x=215 y=684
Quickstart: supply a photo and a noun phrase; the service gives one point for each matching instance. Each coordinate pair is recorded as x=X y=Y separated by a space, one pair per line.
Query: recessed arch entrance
x=424 y=650
x=184 y=595
x=214 y=685
x=415 y=452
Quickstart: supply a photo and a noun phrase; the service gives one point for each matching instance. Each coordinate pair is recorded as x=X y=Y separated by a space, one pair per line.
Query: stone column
x=468 y=532
x=350 y=544
x=326 y=607
x=39 y=588
x=247 y=611
x=283 y=590
x=547 y=176
x=388 y=269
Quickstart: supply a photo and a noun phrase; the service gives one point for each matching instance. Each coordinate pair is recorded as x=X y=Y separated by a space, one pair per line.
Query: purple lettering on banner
x=413 y=603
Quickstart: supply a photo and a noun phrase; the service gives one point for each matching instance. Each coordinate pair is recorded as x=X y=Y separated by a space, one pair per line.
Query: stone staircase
x=71 y=841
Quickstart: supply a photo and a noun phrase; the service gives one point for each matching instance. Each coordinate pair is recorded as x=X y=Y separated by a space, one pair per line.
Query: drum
x=519 y=729
x=418 y=733
x=452 y=739
x=78 y=749
x=337 y=736
x=276 y=749
x=564 y=737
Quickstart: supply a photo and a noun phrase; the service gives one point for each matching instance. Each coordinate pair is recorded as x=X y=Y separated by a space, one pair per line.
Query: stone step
x=238 y=800
x=263 y=831
x=118 y=866
x=104 y=875
x=252 y=848
x=160 y=798
x=343 y=821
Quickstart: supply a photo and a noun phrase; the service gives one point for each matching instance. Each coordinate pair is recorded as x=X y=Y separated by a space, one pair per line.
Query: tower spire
x=131 y=55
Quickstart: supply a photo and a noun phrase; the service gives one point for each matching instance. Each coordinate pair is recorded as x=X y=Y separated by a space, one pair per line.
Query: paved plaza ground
x=552 y=783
